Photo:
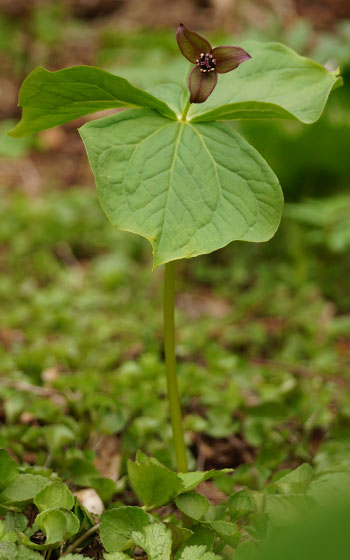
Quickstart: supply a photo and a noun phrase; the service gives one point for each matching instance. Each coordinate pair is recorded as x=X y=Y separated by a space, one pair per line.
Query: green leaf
x=193 y=505
x=57 y=436
x=8 y=551
x=24 y=488
x=53 y=98
x=284 y=509
x=276 y=82
x=197 y=553
x=15 y=521
x=191 y=480
x=57 y=495
x=74 y=557
x=57 y=525
x=296 y=481
x=118 y=524
x=25 y=553
x=188 y=189
x=154 y=539
x=116 y=556
x=8 y=469
x=227 y=531
x=331 y=484
x=240 y=504
x=154 y=484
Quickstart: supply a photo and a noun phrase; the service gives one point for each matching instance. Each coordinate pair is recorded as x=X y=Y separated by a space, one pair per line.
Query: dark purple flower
x=209 y=62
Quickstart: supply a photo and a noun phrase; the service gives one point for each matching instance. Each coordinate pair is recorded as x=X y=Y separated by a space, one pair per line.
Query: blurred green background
x=263 y=329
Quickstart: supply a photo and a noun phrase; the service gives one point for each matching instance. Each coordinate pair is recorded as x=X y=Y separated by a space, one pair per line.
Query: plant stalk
x=81 y=539
x=185 y=111
x=170 y=364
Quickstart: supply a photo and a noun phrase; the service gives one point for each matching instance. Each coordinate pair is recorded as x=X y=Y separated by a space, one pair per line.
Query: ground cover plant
x=155 y=485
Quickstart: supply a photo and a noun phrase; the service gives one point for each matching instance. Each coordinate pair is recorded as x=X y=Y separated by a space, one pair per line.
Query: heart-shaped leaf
x=52 y=98
x=57 y=525
x=275 y=83
x=188 y=188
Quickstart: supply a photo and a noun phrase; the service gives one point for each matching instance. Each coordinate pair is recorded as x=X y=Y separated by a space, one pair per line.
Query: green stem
x=81 y=539
x=185 y=111
x=170 y=363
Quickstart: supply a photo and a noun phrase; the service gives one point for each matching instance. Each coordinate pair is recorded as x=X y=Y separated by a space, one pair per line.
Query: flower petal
x=228 y=58
x=191 y=44
x=201 y=84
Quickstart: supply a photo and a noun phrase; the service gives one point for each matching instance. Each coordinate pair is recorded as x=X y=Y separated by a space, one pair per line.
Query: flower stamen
x=206 y=62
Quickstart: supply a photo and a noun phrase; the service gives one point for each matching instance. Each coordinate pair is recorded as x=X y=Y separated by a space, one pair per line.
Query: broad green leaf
x=193 y=505
x=240 y=504
x=284 y=509
x=197 y=553
x=155 y=485
x=24 y=488
x=154 y=539
x=227 y=531
x=188 y=189
x=118 y=524
x=191 y=480
x=52 y=98
x=296 y=481
x=57 y=495
x=329 y=485
x=8 y=469
x=275 y=83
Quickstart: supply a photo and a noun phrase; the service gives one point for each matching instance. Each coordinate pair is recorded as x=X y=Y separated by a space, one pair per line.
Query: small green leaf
x=227 y=531
x=118 y=524
x=58 y=436
x=188 y=188
x=154 y=484
x=193 y=505
x=74 y=557
x=57 y=525
x=191 y=480
x=53 y=98
x=56 y=495
x=240 y=504
x=276 y=82
x=197 y=553
x=116 y=556
x=296 y=481
x=202 y=535
x=155 y=539
x=24 y=488
x=8 y=469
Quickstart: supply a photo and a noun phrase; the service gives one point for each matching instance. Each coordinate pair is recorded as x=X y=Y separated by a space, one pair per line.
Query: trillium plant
x=172 y=168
